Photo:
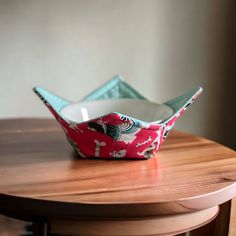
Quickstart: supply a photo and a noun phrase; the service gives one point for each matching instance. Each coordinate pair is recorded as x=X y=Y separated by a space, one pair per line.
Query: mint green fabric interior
x=116 y=88
x=56 y=102
x=177 y=103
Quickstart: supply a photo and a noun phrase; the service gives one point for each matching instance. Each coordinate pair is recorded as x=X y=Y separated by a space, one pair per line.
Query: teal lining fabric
x=56 y=102
x=116 y=88
x=181 y=101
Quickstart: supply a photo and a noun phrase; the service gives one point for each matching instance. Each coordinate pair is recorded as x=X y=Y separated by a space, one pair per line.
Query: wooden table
x=43 y=180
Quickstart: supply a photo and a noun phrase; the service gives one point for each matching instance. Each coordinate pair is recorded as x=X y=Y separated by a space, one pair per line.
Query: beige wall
x=161 y=47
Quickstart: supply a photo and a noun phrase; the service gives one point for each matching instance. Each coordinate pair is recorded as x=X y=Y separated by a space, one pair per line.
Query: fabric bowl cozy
x=113 y=134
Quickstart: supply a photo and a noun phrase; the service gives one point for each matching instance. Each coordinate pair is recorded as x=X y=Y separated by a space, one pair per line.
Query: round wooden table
x=44 y=181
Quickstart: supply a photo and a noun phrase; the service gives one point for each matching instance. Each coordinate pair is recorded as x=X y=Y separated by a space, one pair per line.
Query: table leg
x=232 y=220
x=218 y=227
x=40 y=228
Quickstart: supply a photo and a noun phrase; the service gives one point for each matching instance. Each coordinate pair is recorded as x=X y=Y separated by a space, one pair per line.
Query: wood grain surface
x=41 y=175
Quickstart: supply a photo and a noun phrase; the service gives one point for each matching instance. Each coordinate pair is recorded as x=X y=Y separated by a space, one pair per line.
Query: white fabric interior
x=139 y=109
